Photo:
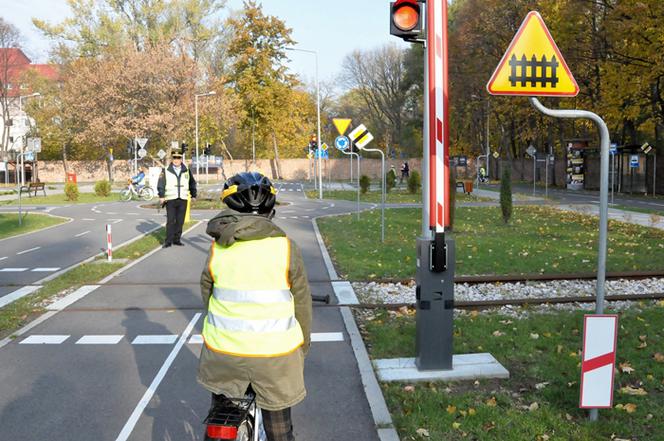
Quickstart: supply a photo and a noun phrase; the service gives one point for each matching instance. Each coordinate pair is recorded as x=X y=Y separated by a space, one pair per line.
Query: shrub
x=71 y=191
x=365 y=182
x=414 y=182
x=390 y=180
x=103 y=188
x=506 y=193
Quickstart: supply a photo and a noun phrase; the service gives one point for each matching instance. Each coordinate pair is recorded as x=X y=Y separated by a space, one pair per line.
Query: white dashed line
x=13 y=270
x=327 y=336
x=3 y=258
x=44 y=340
x=19 y=293
x=116 y=221
x=100 y=340
x=82 y=234
x=155 y=340
x=27 y=251
x=87 y=219
x=45 y=270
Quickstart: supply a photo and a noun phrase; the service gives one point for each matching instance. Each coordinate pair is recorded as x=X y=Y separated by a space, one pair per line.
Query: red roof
x=18 y=63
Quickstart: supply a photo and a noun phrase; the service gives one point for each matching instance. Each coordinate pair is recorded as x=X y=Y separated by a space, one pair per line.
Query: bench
x=34 y=186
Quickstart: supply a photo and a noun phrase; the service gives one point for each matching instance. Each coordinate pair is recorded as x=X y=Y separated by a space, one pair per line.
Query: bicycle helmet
x=249 y=192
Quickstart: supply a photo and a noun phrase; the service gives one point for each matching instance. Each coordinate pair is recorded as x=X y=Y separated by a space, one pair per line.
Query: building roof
x=18 y=64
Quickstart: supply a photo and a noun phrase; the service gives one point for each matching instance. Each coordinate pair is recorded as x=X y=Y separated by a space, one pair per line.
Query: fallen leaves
x=491 y=402
x=534 y=336
x=658 y=357
x=498 y=334
x=626 y=367
x=533 y=407
x=409 y=388
x=637 y=391
x=540 y=386
x=451 y=409
x=423 y=432
x=629 y=407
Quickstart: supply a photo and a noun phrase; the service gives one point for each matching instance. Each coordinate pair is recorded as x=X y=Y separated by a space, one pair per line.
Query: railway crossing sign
x=342 y=125
x=361 y=136
x=533 y=65
x=342 y=143
x=600 y=335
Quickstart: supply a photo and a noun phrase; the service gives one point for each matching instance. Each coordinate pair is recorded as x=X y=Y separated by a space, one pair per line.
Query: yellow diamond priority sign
x=533 y=65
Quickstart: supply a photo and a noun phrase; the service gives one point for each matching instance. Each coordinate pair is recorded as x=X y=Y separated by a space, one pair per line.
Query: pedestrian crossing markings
x=195 y=339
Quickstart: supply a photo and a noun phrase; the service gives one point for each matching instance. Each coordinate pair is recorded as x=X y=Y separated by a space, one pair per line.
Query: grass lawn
x=18 y=313
x=394 y=197
x=538 y=240
x=540 y=400
x=31 y=222
x=59 y=199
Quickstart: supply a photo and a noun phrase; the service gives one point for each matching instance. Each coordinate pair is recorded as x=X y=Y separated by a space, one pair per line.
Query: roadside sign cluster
x=361 y=136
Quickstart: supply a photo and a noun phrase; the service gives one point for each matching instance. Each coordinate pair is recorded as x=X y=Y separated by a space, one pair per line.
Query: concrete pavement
x=88 y=370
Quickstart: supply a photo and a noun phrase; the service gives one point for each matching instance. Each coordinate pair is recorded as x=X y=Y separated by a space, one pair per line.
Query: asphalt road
x=588 y=197
x=24 y=260
x=141 y=334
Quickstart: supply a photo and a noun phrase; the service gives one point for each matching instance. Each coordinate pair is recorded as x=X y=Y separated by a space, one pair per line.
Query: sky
x=333 y=28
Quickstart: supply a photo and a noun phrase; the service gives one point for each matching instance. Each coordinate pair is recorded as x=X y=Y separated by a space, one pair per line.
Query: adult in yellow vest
x=255 y=288
x=176 y=185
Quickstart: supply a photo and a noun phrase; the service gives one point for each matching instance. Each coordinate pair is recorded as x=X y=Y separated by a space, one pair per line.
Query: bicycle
x=145 y=193
x=235 y=419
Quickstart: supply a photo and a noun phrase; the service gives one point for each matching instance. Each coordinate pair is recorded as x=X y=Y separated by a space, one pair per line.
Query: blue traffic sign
x=634 y=161
x=342 y=143
x=613 y=149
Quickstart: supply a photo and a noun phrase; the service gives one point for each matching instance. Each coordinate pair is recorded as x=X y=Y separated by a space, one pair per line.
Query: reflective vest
x=251 y=312
x=177 y=188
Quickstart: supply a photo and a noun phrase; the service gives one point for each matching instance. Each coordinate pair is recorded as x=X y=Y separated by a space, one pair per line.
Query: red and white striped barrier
x=600 y=335
x=109 y=243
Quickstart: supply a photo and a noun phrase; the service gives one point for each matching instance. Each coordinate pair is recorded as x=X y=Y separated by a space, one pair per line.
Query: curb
x=83 y=290
x=379 y=411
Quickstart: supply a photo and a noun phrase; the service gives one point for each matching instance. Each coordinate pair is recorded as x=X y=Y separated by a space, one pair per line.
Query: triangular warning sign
x=533 y=65
x=341 y=124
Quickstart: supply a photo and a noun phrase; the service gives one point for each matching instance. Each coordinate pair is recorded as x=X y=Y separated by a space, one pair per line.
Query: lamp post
x=196 y=108
x=320 y=160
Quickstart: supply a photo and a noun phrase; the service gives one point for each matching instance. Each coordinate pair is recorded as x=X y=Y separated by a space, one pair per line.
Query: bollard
x=109 y=244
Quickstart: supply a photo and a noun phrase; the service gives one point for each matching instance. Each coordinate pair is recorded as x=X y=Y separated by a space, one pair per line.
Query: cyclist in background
x=255 y=289
x=139 y=180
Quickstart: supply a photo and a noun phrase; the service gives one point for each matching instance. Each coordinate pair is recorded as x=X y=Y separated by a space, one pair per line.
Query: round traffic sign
x=342 y=143
x=142 y=153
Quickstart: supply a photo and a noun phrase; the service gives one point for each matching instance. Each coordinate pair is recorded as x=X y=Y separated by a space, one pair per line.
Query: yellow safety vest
x=177 y=188
x=252 y=312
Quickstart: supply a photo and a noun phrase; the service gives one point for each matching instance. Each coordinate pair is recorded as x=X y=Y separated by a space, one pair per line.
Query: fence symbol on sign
x=533 y=65
x=529 y=70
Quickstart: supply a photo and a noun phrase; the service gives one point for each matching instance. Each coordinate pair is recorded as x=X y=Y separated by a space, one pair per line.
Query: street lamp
x=320 y=160
x=212 y=92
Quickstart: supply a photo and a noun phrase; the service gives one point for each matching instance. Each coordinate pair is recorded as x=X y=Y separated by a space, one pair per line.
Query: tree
x=9 y=39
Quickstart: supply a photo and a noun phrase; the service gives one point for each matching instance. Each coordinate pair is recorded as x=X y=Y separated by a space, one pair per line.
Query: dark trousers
x=278 y=424
x=175 y=211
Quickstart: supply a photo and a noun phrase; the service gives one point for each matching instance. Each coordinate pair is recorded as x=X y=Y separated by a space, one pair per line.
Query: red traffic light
x=405 y=20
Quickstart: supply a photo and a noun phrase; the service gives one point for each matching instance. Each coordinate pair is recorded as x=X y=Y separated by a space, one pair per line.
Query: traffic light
x=406 y=19
x=207 y=149
x=183 y=148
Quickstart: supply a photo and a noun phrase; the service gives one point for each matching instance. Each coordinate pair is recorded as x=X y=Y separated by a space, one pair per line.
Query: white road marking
x=132 y=214
x=3 y=258
x=28 y=251
x=45 y=270
x=71 y=298
x=140 y=407
x=327 y=336
x=44 y=340
x=111 y=213
x=116 y=221
x=19 y=293
x=82 y=234
x=99 y=339
x=87 y=219
x=293 y=217
x=13 y=270
x=154 y=340
x=318 y=337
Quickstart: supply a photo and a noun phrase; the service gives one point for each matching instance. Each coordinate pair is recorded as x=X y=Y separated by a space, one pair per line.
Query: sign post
x=533 y=66
x=343 y=144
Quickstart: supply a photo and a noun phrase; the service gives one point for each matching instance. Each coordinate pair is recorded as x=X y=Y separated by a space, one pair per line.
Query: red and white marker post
x=109 y=243
x=600 y=337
